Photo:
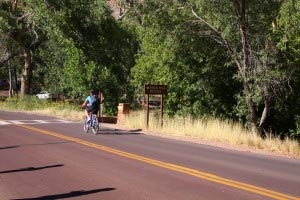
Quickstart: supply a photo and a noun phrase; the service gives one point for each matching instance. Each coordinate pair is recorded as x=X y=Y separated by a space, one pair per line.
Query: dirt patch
x=4 y=93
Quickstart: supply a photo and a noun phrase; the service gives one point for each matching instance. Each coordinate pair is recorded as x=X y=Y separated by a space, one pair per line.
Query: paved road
x=46 y=158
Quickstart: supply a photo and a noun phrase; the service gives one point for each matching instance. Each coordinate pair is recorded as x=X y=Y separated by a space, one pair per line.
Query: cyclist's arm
x=85 y=103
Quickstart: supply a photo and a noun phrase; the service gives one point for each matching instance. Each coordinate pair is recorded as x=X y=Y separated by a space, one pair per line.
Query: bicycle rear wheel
x=95 y=127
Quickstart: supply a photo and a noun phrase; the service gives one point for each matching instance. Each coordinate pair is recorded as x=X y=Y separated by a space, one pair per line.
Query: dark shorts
x=91 y=110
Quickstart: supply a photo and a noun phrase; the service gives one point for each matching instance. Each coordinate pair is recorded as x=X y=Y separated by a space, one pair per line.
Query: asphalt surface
x=47 y=158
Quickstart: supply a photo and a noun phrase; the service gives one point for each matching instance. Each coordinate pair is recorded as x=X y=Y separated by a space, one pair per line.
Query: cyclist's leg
x=95 y=116
x=88 y=113
x=95 y=122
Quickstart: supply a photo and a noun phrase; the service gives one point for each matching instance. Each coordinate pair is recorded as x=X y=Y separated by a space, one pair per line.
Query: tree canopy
x=237 y=60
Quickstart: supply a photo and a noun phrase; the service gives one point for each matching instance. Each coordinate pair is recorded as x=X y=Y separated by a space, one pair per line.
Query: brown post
x=123 y=109
x=161 y=110
x=147 y=120
x=100 y=114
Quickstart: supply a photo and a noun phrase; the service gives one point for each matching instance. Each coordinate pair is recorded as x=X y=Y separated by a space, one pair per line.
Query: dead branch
x=222 y=41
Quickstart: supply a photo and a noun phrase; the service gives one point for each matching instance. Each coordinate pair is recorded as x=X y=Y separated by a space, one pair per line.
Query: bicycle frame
x=93 y=124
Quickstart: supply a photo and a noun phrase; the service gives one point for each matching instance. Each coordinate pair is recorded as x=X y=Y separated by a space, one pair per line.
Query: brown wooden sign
x=156 y=89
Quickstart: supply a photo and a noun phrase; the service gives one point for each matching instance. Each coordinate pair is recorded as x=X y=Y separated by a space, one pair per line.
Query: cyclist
x=91 y=104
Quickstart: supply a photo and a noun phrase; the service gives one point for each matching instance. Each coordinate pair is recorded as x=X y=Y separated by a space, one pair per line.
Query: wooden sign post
x=155 y=90
x=100 y=112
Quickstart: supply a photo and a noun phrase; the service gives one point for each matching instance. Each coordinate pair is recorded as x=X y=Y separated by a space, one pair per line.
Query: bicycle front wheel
x=86 y=125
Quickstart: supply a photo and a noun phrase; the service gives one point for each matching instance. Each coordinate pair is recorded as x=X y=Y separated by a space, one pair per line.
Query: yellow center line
x=178 y=168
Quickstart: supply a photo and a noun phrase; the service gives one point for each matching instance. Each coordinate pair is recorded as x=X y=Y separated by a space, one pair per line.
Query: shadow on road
x=30 y=169
x=45 y=143
x=69 y=195
x=107 y=131
x=11 y=147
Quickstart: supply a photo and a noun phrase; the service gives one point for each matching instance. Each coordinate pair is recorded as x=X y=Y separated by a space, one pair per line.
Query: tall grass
x=34 y=105
x=212 y=130
x=215 y=130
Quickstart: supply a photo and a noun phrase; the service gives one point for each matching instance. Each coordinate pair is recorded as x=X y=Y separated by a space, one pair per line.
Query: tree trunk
x=10 y=80
x=253 y=117
x=252 y=112
x=265 y=112
x=26 y=74
x=240 y=7
x=14 y=4
x=16 y=86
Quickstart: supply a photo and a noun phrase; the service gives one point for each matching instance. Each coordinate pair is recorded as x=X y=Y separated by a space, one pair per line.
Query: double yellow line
x=185 y=170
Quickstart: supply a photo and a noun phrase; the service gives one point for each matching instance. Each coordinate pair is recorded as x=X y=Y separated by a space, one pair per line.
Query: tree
x=172 y=53
x=288 y=42
x=68 y=46
x=101 y=50
x=244 y=29
x=25 y=24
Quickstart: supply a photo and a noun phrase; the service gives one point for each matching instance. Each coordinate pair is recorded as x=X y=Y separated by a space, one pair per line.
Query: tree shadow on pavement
x=108 y=131
x=9 y=147
x=69 y=195
x=23 y=145
x=30 y=169
x=49 y=143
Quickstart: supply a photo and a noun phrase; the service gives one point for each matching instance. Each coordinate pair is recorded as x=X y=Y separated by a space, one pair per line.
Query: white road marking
x=42 y=121
x=64 y=121
x=4 y=123
x=17 y=121
x=7 y=122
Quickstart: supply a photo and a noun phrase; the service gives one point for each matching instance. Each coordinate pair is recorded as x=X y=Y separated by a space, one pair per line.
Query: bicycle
x=93 y=124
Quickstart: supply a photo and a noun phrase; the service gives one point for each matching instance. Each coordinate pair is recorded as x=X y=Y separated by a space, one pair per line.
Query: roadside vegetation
x=232 y=60
x=207 y=130
x=34 y=105
x=212 y=130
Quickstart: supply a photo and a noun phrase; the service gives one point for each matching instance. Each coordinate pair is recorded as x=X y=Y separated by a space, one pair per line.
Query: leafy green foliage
x=81 y=46
x=76 y=46
x=288 y=41
x=102 y=52
x=173 y=54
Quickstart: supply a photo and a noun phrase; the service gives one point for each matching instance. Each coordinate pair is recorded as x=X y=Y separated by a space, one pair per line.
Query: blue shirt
x=89 y=100
x=92 y=99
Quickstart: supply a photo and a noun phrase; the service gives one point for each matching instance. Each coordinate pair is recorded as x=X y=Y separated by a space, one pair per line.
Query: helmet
x=93 y=92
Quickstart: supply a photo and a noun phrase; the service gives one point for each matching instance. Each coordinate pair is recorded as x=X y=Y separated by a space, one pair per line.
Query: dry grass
x=33 y=105
x=213 y=130
x=67 y=114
